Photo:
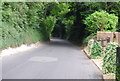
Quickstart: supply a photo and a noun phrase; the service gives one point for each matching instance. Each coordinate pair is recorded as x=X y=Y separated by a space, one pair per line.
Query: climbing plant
x=109 y=60
x=94 y=49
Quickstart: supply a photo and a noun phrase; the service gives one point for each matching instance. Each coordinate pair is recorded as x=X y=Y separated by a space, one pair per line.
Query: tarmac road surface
x=58 y=59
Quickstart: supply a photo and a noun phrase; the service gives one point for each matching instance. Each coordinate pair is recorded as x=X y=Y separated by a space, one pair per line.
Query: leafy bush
x=0 y=26
x=68 y=26
x=49 y=23
x=109 y=60
x=101 y=21
x=94 y=49
x=21 y=23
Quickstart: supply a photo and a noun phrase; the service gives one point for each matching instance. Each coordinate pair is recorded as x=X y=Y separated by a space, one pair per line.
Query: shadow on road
x=62 y=43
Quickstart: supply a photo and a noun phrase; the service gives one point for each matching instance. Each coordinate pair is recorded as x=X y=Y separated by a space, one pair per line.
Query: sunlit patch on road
x=43 y=59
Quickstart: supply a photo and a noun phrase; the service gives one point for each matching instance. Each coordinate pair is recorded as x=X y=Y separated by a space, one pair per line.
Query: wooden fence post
x=118 y=64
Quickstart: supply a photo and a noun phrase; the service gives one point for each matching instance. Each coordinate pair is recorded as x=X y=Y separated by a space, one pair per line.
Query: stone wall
x=114 y=36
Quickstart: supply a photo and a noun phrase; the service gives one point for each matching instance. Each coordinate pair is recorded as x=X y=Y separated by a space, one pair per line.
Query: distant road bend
x=59 y=59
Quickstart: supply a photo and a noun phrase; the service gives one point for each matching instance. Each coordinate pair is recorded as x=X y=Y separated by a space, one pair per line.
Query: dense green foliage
x=86 y=39
x=49 y=24
x=0 y=24
x=21 y=23
x=109 y=60
x=70 y=16
x=63 y=24
x=94 y=49
x=28 y=22
x=101 y=21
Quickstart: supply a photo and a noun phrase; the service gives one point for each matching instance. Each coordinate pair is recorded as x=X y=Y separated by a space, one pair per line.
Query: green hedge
x=22 y=23
x=0 y=24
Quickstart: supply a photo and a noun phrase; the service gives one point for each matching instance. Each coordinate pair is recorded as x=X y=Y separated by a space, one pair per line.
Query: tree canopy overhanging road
x=58 y=59
x=27 y=23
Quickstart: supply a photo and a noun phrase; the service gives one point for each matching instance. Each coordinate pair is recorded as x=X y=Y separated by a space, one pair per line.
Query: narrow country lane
x=57 y=60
